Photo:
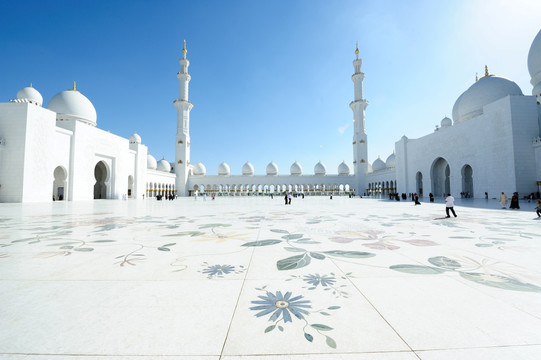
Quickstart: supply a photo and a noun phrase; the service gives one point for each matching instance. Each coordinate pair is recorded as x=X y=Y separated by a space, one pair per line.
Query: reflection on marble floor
x=251 y=277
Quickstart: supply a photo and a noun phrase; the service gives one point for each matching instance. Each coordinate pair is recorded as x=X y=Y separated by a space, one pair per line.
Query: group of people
x=514 y=201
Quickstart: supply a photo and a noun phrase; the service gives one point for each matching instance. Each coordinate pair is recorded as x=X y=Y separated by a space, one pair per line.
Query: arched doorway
x=59 y=184
x=101 y=174
x=419 y=185
x=441 y=184
x=467 y=180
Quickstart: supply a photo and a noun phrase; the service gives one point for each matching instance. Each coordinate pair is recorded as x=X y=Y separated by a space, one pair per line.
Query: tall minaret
x=182 y=140
x=358 y=105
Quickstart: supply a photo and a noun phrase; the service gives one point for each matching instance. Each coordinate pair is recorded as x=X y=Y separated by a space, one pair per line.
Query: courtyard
x=251 y=278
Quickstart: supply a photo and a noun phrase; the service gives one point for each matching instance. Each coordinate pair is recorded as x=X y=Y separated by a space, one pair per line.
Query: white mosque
x=492 y=144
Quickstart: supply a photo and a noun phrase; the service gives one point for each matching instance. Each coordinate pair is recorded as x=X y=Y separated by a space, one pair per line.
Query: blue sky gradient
x=271 y=80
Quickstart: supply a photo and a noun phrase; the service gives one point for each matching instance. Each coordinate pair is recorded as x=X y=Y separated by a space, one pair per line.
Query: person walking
x=449 y=205
x=285 y=197
x=514 y=201
x=538 y=208
x=416 y=199
x=503 y=200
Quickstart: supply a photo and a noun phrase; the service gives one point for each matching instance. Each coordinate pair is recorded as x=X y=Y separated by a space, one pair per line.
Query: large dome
x=272 y=169
x=320 y=169
x=71 y=104
x=223 y=169
x=151 y=162
x=534 y=64
x=391 y=161
x=295 y=169
x=163 y=165
x=247 y=169
x=199 y=169
x=378 y=164
x=484 y=91
x=30 y=94
x=343 y=169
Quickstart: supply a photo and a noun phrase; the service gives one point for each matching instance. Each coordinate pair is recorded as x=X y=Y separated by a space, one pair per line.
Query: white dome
x=163 y=165
x=534 y=64
x=31 y=95
x=199 y=169
x=151 y=162
x=272 y=169
x=247 y=169
x=135 y=139
x=445 y=122
x=223 y=169
x=484 y=91
x=71 y=104
x=295 y=169
x=320 y=169
x=343 y=169
x=378 y=164
x=391 y=160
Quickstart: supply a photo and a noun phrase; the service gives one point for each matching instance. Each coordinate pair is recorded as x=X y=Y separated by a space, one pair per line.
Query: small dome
x=151 y=162
x=343 y=169
x=31 y=95
x=378 y=164
x=369 y=168
x=199 y=169
x=163 y=165
x=391 y=160
x=247 y=169
x=272 y=169
x=71 y=104
x=484 y=91
x=445 y=122
x=534 y=64
x=135 y=139
x=295 y=169
x=320 y=169
x=223 y=169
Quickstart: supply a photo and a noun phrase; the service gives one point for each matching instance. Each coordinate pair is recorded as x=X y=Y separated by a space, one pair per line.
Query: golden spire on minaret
x=486 y=71
x=184 y=51
x=357 y=49
x=74 y=87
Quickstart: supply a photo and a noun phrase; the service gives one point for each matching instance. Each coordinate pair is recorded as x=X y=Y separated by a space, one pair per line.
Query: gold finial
x=74 y=87
x=184 y=51
x=30 y=84
x=486 y=70
x=357 y=49
x=476 y=78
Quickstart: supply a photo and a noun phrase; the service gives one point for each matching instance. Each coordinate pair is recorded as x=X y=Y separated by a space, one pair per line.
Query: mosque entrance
x=467 y=181
x=441 y=177
x=59 y=183
x=101 y=174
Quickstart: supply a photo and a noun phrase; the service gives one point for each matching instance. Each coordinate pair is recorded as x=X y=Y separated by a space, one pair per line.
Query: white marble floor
x=251 y=278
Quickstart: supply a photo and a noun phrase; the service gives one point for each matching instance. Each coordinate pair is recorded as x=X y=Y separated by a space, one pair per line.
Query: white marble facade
x=492 y=144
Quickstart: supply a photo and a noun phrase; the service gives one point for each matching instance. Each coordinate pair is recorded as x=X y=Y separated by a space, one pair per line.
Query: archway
x=419 y=185
x=59 y=184
x=467 y=180
x=101 y=174
x=441 y=185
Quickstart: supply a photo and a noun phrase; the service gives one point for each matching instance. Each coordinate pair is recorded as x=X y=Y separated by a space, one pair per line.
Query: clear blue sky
x=271 y=80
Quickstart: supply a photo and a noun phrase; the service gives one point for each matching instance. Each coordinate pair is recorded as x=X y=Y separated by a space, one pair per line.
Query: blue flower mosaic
x=317 y=279
x=281 y=305
x=218 y=270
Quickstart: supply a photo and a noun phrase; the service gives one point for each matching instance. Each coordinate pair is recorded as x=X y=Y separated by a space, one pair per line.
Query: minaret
x=182 y=140
x=358 y=105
